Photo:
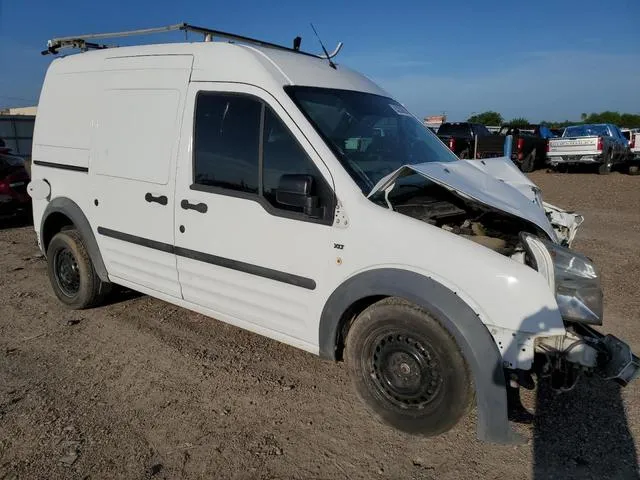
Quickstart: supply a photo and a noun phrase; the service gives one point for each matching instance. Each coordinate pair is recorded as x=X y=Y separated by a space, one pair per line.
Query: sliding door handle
x=162 y=199
x=198 y=207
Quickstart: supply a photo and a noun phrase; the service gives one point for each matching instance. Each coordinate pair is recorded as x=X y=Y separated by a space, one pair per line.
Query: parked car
x=17 y=133
x=529 y=148
x=634 y=145
x=598 y=144
x=14 y=199
x=630 y=135
x=295 y=198
x=461 y=139
x=634 y=151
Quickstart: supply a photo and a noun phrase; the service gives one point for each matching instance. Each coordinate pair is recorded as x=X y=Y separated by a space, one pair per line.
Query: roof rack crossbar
x=81 y=41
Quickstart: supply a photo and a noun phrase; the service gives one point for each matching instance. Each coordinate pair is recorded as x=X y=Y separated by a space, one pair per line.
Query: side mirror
x=296 y=190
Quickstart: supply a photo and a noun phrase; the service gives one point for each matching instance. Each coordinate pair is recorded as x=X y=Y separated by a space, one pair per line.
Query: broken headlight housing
x=572 y=276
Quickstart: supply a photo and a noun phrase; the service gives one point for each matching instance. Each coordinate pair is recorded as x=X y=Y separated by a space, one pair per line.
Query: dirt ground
x=143 y=389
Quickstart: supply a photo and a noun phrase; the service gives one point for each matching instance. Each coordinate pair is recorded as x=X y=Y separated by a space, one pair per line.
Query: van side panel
x=131 y=146
x=65 y=117
x=133 y=155
x=62 y=136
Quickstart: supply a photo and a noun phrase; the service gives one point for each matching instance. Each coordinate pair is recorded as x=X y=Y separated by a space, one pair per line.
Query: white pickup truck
x=633 y=137
x=602 y=144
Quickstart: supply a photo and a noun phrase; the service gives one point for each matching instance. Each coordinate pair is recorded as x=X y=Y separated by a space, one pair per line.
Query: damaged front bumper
x=615 y=359
x=585 y=350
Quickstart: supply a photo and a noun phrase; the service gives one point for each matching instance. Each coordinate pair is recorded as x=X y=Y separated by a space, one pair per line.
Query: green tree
x=556 y=124
x=604 y=117
x=519 y=122
x=486 y=118
x=630 y=120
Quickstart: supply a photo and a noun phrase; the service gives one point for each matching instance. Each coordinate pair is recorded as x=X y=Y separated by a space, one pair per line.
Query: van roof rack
x=82 y=42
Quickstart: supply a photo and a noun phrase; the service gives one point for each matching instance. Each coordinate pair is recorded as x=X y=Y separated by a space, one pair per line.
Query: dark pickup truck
x=461 y=139
x=529 y=148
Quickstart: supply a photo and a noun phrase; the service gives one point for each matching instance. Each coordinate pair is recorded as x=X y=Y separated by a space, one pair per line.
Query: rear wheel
x=407 y=368
x=605 y=167
x=71 y=272
x=634 y=169
x=529 y=163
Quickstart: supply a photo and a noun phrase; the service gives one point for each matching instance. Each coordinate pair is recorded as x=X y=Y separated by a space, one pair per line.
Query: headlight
x=572 y=276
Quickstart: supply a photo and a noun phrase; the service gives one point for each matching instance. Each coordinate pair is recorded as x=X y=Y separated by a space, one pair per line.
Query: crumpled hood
x=494 y=182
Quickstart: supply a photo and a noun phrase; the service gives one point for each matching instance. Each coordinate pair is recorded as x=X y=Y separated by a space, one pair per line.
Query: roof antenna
x=333 y=65
x=296 y=43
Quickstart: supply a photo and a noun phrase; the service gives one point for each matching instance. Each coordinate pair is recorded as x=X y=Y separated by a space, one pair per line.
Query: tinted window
x=227 y=137
x=282 y=155
x=455 y=129
x=586 y=130
x=482 y=131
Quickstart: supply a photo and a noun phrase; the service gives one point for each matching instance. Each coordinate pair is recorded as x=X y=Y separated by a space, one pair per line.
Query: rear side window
x=227 y=139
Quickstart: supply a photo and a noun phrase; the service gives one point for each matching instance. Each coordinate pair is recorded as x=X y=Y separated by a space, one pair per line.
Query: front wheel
x=407 y=368
x=71 y=272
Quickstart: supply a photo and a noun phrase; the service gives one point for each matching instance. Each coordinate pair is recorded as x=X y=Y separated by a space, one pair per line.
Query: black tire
x=634 y=170
x=529 y=163
x=407 y=368
x=605 y=167
x=464 y=154
x=71 y=272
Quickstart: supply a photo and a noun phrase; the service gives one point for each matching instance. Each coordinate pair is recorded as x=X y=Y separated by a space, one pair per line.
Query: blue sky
x=543 y=59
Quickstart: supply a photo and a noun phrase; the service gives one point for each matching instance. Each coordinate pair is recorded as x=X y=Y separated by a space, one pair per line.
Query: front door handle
x=198 y=207
x=162 y=199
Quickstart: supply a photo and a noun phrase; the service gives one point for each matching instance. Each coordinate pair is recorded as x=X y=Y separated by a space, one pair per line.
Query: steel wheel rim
x=405 y=370
x=67 y=272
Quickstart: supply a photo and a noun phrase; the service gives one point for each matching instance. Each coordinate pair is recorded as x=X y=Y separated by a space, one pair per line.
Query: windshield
x=371 y=135
x=586 y=130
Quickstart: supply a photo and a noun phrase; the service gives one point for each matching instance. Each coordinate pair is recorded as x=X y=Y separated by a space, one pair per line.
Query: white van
x=290 y=196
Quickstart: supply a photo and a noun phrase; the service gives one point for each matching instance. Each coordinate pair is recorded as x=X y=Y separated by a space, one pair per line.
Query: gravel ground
x=142 y=389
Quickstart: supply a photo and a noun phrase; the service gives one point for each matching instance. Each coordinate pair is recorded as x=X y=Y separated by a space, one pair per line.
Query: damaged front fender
x=564 y=223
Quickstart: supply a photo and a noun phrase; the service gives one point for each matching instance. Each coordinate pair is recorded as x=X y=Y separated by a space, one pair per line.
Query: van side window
x=282 y=155
x=226 y=142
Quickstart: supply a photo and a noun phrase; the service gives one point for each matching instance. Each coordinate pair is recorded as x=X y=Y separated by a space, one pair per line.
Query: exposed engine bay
x=434 y=204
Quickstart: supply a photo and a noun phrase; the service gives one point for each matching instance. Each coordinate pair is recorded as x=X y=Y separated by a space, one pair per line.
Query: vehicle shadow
x=120 y=295
x=582 y=433
x=586 y=168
